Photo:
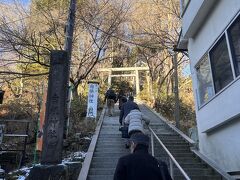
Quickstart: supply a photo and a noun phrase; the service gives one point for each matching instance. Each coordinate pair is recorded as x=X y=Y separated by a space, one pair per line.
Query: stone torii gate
x=134 y=73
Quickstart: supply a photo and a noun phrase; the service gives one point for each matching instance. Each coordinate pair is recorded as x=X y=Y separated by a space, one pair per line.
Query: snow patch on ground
x=21 y=174
x=21 y=178
x=75 y=156
x=87 y=138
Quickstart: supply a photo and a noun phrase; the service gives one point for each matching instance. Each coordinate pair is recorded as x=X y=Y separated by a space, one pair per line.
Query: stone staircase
x=110 y=146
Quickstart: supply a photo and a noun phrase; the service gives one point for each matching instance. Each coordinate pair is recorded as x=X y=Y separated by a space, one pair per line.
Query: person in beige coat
x=134 y=120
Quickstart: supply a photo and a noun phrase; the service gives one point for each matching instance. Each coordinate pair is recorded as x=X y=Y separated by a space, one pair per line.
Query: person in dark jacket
x=126 y=108
x=120 y=98
x=110 y=96
x=124 y=99
x=140 y=165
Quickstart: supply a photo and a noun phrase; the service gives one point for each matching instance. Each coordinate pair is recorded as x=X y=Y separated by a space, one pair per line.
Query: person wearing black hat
x=110 y=96
x=140 y=165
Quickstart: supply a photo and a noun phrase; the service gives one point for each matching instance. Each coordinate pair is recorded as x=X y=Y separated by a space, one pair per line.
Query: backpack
x=124 y=130
x=111 y=95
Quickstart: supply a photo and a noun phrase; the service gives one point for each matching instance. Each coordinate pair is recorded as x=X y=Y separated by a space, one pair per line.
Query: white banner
x=92 y=100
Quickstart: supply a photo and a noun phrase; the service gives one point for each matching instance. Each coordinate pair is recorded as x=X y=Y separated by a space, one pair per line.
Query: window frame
x=184 y=8
x=231 y=47
x=206 y=55
x=221 y=37
x=225 y=33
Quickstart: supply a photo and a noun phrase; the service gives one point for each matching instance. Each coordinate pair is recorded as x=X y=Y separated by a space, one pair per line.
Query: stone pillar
x=109 y=79
x=56 y=108
x=137 y=82
x=148 y=82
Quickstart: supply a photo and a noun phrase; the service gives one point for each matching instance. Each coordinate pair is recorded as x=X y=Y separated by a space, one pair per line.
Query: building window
x=234 y=40
x=205 y=85
x=221 y=66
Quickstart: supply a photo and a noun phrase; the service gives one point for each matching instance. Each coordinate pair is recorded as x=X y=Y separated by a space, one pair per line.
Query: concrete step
x=194 y=171
x=201 y=177
x=193 y=177
x=114 y=156
x=111 y=139
x=186 y=150
x=178 y=139
x=119 y=154
x=192 y=165
x=109 y=128
x=162 y=130
x=112 y=149
x=97 y=164
x=173 y=140
x=104 y=160
x=177 y=177
x=168 y=135
x=190 y=172
x=157 y=124
x=175 y=146
x=167 y=141
x=103 y=135
x=102 y=171
x=175 y=154
x=110 y=159
x=117 y=136
x=103 y=164
x=100 y=142
x=170 y=143
x=109 y=133
x=119 y=146
x=180 y=160
x=172 y=149
x=100 y=177
x=106 y=154
x=108 y=144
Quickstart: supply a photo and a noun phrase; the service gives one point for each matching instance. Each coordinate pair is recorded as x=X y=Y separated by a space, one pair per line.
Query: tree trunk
x=75 y=92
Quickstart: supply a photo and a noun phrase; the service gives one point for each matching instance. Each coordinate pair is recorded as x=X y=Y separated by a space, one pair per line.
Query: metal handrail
x=193 y=148
x=172 y=159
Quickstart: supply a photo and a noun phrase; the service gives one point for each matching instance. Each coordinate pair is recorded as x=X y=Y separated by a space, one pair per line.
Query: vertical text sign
x=56 y=108
x=92 y=100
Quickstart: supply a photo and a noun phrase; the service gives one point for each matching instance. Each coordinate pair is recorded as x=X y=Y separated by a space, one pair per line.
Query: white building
x=211 y=33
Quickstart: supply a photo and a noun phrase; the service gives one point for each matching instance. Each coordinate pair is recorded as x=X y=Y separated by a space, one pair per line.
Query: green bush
x=18 y=109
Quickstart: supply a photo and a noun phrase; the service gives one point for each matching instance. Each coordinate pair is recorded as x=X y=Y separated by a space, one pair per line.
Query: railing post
x=152 y=144
x=171 y=167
